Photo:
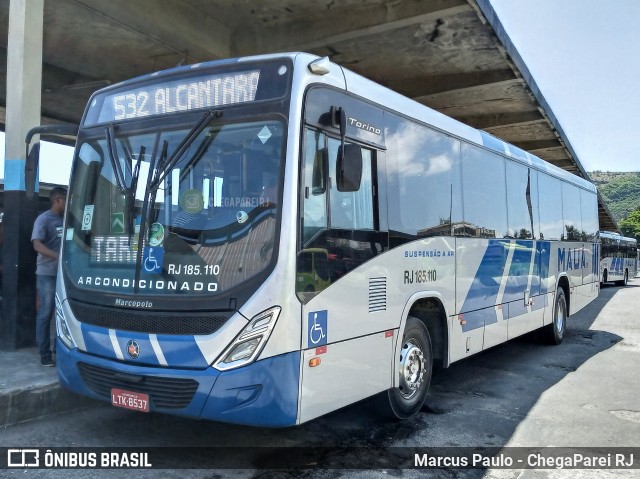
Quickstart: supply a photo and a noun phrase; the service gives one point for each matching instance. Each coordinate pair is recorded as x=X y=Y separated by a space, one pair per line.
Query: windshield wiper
x=149 y=198
x=171 y=162
x=130 y=193
x=136 y=171
x=200 y=152
x=115 y=164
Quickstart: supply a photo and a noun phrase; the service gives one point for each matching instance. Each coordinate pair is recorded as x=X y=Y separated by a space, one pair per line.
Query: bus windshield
x=183 y=210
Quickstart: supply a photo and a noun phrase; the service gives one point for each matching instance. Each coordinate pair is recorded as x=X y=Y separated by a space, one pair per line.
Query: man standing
x=46 y=239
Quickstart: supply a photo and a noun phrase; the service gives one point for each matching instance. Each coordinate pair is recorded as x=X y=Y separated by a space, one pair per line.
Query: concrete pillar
x=24 y=85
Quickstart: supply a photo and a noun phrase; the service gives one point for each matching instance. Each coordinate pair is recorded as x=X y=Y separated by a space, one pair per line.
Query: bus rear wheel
x=554 y=332
x=414 y=370
x=625 y=279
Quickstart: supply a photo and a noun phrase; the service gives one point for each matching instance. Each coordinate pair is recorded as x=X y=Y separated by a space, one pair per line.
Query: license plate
x=130 y=400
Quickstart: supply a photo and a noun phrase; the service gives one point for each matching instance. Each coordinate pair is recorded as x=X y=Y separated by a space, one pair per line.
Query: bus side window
x=351 y=210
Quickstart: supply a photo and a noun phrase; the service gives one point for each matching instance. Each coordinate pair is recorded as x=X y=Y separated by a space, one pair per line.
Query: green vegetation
x=621 y=194
x=630 y=226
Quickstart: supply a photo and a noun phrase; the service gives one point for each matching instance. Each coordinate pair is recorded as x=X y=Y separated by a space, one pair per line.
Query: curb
x=29 y=391
x=43 y=400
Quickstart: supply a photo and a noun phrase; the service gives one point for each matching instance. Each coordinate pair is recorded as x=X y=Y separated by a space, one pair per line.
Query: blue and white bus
x=618 y=259
x=264 y=240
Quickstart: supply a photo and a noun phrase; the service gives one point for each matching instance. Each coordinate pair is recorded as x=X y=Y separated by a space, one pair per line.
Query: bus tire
x=554 y=332
x=624 y=280
x=416 y=364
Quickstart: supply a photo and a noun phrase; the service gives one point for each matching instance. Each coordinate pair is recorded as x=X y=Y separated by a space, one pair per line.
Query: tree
x=630 y=226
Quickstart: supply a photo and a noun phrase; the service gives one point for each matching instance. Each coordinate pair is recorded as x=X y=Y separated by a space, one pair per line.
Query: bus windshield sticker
x=191 y=201
x=317 y=328
x=152 y=260
x=156 y=234
x=87 y=218
x=242 y=216
x=264 y=134
x=117 y=223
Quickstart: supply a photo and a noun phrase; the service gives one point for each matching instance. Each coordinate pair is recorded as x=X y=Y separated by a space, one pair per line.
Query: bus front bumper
x=264 y=393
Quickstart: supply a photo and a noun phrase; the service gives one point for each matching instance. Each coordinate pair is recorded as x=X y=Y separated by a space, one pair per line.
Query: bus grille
x=152 y=322
x=167 y=393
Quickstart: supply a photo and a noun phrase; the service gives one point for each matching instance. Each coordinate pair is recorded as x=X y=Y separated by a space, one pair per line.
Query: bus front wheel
x=554 y=332
x=414 y=370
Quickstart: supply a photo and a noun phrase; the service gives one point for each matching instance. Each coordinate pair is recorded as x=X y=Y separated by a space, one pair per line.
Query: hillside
x=620 y=191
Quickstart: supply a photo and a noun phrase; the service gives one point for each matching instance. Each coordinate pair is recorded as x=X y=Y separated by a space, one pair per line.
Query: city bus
x=267 y=239
x=618 y=258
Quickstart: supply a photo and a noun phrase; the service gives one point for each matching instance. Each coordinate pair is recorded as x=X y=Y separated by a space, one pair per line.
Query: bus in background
x=268 y=239
x=618 y=258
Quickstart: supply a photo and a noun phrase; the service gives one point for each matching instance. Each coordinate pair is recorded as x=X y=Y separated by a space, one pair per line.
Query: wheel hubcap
x=560 y=317
x=412 y=369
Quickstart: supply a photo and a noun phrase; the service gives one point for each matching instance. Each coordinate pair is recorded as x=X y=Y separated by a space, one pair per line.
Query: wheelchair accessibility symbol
x=152 y=259
x=317 y=328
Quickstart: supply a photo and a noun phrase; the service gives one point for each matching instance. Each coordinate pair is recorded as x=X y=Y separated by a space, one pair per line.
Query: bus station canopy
x=452 y=55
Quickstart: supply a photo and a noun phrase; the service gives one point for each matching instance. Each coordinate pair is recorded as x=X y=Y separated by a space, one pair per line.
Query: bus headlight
x=250 y=341
x=61 y=326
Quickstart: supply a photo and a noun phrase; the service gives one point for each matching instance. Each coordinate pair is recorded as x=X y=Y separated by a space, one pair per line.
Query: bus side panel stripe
x=543 y=258
x=518 y=280
x=484 y=288
x=98 y=341
x=115 y=345
x=182 y=350
x=483 y=295
x=519 y=270
x=101 y=342
x=155 y=350
x=158 y=350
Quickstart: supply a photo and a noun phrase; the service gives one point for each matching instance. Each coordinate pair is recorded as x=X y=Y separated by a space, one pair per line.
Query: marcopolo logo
x=133 y=303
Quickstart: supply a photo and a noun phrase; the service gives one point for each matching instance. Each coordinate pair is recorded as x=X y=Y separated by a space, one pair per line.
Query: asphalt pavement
x=584 y=393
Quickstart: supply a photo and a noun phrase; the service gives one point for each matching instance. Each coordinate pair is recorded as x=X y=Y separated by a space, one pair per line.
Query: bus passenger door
x=347 y=344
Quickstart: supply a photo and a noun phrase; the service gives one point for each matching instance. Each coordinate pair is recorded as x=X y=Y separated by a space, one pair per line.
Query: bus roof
x=390 y=99
x=616 y=236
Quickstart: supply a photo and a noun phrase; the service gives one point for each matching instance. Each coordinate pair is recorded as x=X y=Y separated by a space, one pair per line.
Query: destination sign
x=185 y=94
x=113 y=249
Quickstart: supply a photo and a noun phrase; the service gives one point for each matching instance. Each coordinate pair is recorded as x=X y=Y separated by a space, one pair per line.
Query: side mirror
x=66 y=132
x=349 y=160
x=349 y=168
